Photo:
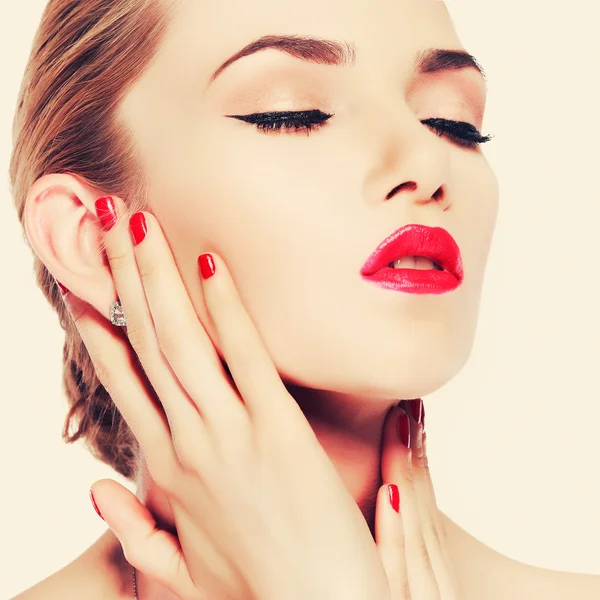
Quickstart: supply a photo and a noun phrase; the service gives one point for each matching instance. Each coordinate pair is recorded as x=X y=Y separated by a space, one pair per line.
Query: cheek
x=275 y=235
x=483 y=212
x=294 y=251
x=473 y=214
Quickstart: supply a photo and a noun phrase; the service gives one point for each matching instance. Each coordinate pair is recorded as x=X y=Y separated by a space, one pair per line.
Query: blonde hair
x=84 y=58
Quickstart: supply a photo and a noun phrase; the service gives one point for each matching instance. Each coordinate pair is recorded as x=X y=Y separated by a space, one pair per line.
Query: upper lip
x=434 y=243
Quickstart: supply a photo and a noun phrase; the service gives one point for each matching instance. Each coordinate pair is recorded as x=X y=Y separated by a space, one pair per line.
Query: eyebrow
x=332 y=52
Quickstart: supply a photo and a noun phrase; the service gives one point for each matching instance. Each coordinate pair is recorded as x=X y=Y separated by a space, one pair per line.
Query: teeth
x=415 y=262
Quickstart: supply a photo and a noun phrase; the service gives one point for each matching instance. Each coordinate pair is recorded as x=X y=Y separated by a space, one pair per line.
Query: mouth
x=429 y=250
x=420 y=263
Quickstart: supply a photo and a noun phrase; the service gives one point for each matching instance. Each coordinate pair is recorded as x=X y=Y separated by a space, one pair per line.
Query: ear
x=65 y=233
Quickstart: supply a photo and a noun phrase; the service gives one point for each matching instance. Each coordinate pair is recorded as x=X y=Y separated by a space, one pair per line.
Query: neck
x=349 y=428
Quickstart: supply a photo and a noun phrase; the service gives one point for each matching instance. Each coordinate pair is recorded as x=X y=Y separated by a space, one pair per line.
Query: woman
x=386 y=162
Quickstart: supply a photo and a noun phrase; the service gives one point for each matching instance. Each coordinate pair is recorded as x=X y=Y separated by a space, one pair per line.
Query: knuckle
x=238 y=451
x=424 y=551
x=140 y=338
x=146 y=269
x=441 y=531
x=103 y=373
x=189 y=453
x=134 y=555
x=163 y=474
x=235 y=339
x=78 y=317
x=425 y=466
x=166 y=481
x=408 y=474
x=430 y=534
x=119 y=260
x=420 y=458
x=170 y=342
x=424 y=555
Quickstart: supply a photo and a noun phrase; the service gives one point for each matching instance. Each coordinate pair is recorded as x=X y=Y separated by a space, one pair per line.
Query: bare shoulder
x=558 y=585
x=93 y=575
x=63 y=584
x=486 y=574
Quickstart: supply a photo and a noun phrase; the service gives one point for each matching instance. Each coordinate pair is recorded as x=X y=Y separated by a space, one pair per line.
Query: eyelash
x=460 y=132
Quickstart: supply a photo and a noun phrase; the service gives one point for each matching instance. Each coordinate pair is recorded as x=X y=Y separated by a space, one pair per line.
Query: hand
x=421 y=568
x=260 y=510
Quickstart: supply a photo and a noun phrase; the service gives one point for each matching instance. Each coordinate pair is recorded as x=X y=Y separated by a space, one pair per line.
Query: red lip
x=434 y=243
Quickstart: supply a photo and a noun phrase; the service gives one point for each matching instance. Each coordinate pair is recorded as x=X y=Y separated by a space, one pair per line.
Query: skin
x=294 y=217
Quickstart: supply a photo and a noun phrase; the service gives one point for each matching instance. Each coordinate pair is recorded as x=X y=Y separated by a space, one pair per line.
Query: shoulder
x=485 y=573
x=557 y=585
x=58 y=585
x=94 y=575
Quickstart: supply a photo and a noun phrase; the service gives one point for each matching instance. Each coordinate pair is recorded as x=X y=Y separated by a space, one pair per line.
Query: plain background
x=513 y=439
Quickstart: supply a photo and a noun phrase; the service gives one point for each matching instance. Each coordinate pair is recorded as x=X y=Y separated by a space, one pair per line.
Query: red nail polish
x=138 y=227
x=207 y=265
x=416 y=408
x=404 y=428
x=95 y=505
x=105 y=209
x=394 y=496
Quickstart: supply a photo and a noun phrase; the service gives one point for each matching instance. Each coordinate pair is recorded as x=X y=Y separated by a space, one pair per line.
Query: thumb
x=154 y=552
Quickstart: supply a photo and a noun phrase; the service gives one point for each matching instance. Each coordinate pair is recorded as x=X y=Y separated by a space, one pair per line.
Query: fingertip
x=392 y=432
x=207 y=265
x=394 y=496
x=417 y=410
x=94 y=504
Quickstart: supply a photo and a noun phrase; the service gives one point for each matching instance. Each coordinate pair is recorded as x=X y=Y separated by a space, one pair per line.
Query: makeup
x=416 y=259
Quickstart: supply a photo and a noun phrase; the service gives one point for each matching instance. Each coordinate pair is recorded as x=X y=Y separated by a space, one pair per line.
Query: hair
x=85 y=57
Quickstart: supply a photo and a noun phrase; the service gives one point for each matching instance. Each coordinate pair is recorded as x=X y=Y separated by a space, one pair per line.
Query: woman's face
x=296 y=214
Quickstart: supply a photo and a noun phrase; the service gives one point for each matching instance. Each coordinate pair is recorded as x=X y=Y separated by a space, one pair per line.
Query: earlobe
x=62 y=228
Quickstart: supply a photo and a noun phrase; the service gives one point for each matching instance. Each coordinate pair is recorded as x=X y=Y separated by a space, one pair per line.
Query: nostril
x=411 y=186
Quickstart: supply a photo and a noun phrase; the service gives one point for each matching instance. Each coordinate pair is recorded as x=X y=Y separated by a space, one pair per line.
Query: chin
x=410 y=375
x=415 y=380
x=393 y=361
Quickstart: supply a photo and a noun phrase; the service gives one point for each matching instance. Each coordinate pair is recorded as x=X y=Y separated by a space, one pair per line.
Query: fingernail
x=404 y=428
x=105 y=209
x=138 y=227
x=207 y=265
x=95 y=505
x=63 y=290
x=394 y=496
x=416 y=408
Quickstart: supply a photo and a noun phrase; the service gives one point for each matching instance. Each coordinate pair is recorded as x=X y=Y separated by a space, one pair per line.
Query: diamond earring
x=117 y=317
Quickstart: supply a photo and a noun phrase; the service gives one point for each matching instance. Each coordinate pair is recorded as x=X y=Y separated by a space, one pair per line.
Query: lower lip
x=414 y=281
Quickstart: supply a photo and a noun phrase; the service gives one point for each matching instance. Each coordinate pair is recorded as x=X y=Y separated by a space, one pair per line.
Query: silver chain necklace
x=134 y=584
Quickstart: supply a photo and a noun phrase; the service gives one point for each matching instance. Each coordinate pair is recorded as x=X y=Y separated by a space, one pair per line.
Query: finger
x=118 y=370
x=396 y=468
x=433 y=531
x=421 y=473
x=210 y=569
x=181 y=413
x=180 y=335
x=152 y=551
x=252 y=369
x=389 y=538
x=389 y=534
x=425 y=492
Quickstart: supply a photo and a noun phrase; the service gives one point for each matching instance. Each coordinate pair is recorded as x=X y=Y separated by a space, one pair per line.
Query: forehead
x=204 y=33
x=386 y=36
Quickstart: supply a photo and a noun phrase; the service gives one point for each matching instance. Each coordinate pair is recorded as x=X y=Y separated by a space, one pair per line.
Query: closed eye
x=460 y=132
x=301 y=120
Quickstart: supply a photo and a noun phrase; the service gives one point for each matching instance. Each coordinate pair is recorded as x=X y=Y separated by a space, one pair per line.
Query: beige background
x=513 y=439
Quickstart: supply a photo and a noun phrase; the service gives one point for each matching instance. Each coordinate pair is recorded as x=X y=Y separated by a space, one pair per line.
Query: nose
x=410 y=162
